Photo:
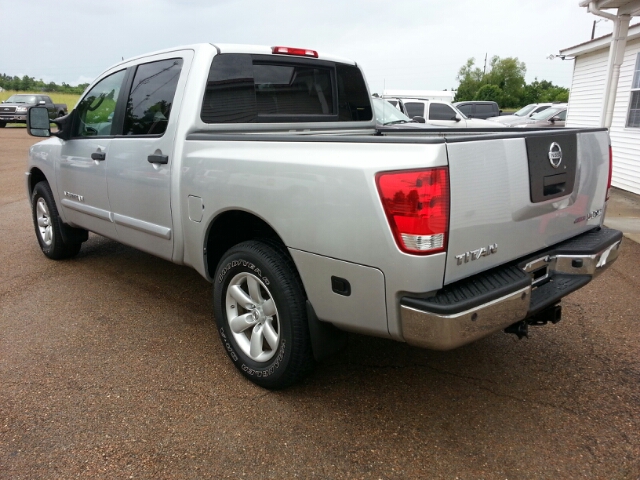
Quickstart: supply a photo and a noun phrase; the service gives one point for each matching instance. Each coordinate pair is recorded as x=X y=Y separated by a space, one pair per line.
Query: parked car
x=388 y=116
x=14 y=109
x=262 y=168
x=524 y=112
x=441 y=113
x=551 y=117
x=479 y=109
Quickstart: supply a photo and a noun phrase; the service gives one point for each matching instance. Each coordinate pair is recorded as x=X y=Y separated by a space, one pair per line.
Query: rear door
x=513 y=196
x=140 y=158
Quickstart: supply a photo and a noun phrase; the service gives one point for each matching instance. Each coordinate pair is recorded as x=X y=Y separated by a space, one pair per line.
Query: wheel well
x=35 y=177
x=231 y=228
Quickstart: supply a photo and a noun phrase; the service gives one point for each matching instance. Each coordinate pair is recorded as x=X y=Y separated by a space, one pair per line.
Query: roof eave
x=598 y=43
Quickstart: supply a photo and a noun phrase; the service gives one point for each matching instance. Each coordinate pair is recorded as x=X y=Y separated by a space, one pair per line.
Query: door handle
x=164 y=159
x=99 y=156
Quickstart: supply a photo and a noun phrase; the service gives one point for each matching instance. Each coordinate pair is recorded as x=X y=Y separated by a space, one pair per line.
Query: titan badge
x=476 y=254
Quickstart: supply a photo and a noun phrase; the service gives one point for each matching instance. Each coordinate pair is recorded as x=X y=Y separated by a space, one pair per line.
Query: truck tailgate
x=514 y=195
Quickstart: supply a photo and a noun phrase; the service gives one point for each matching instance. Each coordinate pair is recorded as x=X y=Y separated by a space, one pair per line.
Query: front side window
x=414 y=109
x=244 y=88
x=467 y=109
x=440 y=111
x=541 y=109
x=95 y=111
x=633 y=118
x=151 y=97
x=546 y=114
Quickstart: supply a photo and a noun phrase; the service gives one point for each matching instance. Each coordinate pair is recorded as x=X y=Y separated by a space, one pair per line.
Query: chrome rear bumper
x=461 y=313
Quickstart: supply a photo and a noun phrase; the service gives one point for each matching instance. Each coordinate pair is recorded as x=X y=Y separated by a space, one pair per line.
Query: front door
x=139 y=168
x=81 y=176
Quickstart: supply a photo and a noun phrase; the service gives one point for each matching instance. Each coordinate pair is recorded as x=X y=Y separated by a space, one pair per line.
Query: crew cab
x=437 y=112
x=479 y=109
x=264 y=170
x=14 y=109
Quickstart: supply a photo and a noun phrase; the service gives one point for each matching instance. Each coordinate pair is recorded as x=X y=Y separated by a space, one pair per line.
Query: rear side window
x=484 y=109
x=151 y=97
x=414 y=109
x=244 y=88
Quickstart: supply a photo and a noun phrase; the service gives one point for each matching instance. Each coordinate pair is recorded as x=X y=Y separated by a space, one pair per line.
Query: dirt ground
x=110 y=367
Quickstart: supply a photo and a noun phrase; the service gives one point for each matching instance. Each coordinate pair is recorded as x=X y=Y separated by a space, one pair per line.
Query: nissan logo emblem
x=555 y=155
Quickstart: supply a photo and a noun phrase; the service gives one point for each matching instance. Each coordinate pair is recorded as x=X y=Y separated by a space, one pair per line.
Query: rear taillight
x=303 y=52
x=416 y=203
x=610 y=172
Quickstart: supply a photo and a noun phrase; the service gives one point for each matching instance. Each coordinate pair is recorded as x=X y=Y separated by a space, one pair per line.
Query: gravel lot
x=110 y=367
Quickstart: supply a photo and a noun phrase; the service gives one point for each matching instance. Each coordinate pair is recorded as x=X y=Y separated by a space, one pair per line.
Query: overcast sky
x=401 y=44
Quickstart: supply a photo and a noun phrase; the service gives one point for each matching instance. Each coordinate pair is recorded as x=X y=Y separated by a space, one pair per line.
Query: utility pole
x=484 y=72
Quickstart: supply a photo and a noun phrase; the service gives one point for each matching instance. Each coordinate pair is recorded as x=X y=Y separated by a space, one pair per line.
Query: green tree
x=489 y=92
x=544 y=91
x=508 y=74
x=470 y=78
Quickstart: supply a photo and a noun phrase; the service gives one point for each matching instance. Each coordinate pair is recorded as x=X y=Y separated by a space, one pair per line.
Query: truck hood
x=507 y=119
x=15 y=105
x=480 y=123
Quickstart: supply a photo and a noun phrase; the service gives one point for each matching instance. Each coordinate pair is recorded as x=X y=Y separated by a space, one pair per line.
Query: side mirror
x=499 y=112
x=457 y=118
x=418 y=119
x=38 y=122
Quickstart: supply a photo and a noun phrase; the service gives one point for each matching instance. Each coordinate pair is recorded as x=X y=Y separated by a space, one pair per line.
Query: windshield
x=547 y=113
x=459 y=112
x=21 y=99
x=524 y=111
x=387 y=114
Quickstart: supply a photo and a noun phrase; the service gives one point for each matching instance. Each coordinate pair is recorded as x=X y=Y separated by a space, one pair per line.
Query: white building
x=444 y=95
x=586 y=102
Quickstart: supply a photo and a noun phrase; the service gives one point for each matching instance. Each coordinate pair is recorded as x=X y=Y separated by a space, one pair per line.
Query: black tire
x=49 y=234
x=3 y=124
x=274 y=364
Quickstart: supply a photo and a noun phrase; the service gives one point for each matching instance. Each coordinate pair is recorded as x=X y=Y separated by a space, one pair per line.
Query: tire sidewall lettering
x=243 y=263
x=270 y=370
x=247 y=366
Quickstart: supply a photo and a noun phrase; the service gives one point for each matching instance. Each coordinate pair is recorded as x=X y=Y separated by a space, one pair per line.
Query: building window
x=633 y=119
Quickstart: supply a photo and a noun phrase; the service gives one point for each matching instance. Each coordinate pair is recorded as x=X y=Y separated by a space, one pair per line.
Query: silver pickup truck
x=263 y=169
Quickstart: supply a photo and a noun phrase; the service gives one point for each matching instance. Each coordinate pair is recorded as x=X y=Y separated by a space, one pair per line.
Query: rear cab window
x=246 y=88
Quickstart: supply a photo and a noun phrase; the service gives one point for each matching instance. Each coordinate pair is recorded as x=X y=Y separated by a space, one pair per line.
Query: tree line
x=30 y=84
x=504 y=83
